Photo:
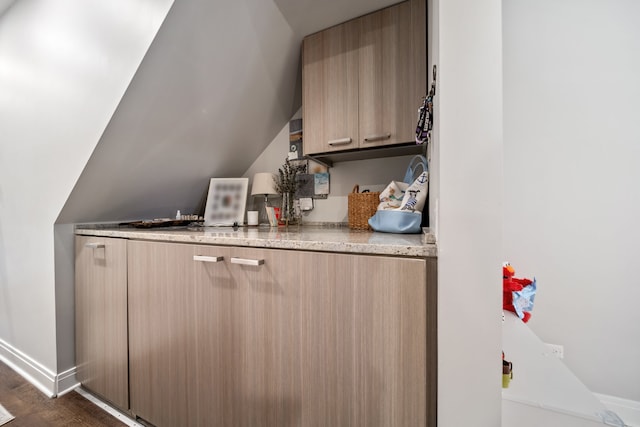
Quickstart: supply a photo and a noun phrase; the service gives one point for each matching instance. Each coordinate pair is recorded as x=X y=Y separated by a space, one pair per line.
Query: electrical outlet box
x=555 y=350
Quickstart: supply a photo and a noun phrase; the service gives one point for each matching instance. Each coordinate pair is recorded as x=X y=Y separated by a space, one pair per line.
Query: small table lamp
x=263 y=184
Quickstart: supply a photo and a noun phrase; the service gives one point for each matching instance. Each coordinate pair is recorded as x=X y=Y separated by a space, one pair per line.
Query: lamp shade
x=263 y=183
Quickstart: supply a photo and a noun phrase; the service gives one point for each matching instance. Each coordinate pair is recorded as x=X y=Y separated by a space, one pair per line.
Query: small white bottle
x=178 y=215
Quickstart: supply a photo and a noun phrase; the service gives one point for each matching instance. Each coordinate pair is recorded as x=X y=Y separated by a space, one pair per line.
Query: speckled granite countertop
x=311 y=238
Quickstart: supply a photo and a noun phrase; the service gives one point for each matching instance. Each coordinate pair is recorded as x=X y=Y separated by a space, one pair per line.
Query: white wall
x=64 y=66
x=572 y=147
x=468 y=52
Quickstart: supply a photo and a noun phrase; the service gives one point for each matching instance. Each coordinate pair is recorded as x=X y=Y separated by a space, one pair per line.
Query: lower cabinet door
x=225 y=336
x=162 y=294
x=260 y=356
x=101 y=317
x=321 y=339
x=362 y=340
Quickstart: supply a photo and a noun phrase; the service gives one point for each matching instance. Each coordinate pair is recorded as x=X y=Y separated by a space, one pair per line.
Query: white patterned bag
x=416 y=194
x=392 y=196
x=407 y=216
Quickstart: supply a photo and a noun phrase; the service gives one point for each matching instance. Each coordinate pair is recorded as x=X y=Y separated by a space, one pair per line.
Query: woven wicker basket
x=362 y=206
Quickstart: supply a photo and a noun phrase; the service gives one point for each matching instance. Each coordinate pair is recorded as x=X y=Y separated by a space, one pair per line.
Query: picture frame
x=226 y=202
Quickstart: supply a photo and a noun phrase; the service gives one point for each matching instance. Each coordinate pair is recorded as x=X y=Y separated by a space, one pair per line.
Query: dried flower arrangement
x=286 y=184
x=285 y=181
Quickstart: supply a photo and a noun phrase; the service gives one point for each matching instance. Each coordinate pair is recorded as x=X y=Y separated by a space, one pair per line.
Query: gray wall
x=215 y=87
x=572 y=146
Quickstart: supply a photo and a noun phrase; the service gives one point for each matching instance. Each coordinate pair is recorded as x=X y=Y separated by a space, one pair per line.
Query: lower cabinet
x=229 y=336
x=101 y=318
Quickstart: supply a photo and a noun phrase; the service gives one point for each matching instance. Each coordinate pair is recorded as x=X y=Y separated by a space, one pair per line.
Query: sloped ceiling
x=218 y=83
x=309 y=16
x=5 y=4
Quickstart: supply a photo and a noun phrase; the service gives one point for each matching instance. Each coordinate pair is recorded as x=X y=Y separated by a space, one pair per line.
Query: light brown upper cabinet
x=330 y=89
x=364 y=80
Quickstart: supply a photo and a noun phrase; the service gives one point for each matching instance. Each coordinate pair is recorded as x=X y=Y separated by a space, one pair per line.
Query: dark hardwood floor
x=31 y=408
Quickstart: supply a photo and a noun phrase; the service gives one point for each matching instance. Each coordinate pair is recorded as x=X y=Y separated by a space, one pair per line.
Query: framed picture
x=226 y=201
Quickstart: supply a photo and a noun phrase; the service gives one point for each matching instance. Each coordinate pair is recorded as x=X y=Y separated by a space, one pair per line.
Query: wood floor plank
x=31 y=408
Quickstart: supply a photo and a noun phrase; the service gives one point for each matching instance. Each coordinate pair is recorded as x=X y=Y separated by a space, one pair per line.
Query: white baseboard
x=66 y=381
x=628 y=410
x=42 y=378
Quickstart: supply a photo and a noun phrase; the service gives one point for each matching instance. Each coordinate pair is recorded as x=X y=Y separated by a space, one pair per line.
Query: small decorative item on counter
x=264 y=185
x=289 y=213
x=273 y=215
x=361 y=207
x=184 y=220
x=507 y=372
x=286 y=184
x=517 y=294
x=226 y=200
x=252 y=218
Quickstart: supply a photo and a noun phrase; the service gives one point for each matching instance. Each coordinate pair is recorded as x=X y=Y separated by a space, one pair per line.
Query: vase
x=288 y=214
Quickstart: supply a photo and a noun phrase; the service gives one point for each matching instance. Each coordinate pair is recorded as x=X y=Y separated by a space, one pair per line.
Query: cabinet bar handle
x=94 y=245
x=341 y=141
x=245 y=261
x=374 y=138
x=204 y=258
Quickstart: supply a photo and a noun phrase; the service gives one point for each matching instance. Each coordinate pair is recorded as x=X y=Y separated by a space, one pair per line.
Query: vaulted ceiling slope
x=218 y=83
x=5 y=4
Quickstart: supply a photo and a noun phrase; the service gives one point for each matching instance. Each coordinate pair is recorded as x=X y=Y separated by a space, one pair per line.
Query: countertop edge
x=426 y=249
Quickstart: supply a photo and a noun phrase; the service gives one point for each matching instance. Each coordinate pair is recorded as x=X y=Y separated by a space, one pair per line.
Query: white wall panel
x=572 y=147
x=64 y=66
x=469 y=210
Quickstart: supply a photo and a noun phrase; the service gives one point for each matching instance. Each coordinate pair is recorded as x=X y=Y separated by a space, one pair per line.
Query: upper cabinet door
x=330 y=89
x=363 y=81
x=388 y=101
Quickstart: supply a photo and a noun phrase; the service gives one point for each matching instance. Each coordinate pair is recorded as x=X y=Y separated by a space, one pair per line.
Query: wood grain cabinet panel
x=101 y=317
x=388 y=99
x=266 y=337
x=330 y=89
x=363 y=340
x=161 y=331
x=264 y=357
x=376 y=84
